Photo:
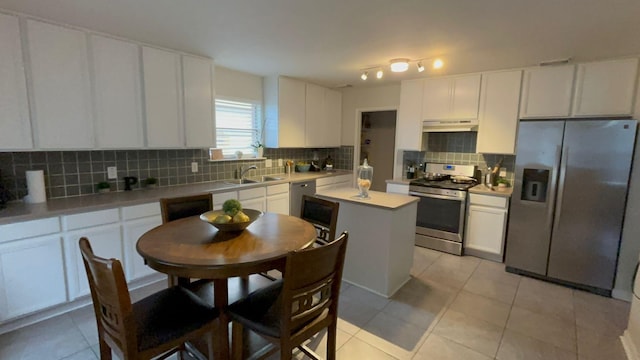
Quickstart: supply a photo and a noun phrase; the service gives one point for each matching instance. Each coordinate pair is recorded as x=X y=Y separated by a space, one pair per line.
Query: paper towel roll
x=35 y=186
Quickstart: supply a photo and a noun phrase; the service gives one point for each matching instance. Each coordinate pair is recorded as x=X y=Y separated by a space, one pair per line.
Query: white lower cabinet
x=343 y=181
x=31 y=276
x=253 y=198
x=103 y=230
x=220 y=198
x=278 y=199
x=398 y=189
x=486 y=225
x=137 y=220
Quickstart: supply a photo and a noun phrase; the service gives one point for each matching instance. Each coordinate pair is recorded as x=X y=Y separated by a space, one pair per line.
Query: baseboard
x=629 y=347
x=483 y=254
x=621 y=295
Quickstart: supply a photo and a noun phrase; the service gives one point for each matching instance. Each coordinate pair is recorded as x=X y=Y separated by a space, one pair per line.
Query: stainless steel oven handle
x=443 y=197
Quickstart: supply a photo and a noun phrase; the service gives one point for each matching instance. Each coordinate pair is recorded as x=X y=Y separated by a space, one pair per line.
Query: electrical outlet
x=112 y=172
x=268 y=163
x=503 y=172
x=280 y=162
x=194 y=167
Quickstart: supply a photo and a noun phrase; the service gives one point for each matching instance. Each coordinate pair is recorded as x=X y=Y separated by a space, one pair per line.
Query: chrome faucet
x=244 y=171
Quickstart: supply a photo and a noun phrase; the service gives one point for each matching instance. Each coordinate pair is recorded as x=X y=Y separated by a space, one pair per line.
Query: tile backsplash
x=76 y=173
x=459 y=148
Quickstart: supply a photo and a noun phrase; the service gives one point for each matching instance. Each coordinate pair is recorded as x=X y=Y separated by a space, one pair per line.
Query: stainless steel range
x=443 y=204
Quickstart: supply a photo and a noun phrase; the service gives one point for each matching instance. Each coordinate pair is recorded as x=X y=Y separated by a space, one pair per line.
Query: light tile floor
x=452 y=308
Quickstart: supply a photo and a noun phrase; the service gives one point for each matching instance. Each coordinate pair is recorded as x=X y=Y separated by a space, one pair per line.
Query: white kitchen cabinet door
x=343 y=181
x=220 y=198
x=15 y=127
x=62 y=103
x=256 y=204
x=398 y=189
x=606 y=88
x=31 y=276
x=285 y=112
x=315 y=126
x=332 y=131
x=278 y=204
x=118 y=95
x=106 y=242
x=162 y=84
x=465 y=97
x=409 y=122
x=436 y=99
x=498 y=115
x=132 y=231
x=485 y=230
x=547 y=91
x=199 y=116
x=253 y=198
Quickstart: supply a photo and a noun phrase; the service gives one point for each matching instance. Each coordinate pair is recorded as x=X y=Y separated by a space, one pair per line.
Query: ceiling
x=329 y=42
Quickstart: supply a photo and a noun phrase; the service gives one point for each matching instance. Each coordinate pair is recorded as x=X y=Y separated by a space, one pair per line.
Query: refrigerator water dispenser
x=534 y=185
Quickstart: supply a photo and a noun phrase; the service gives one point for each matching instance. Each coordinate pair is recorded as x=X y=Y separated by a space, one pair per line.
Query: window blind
x=237 y=126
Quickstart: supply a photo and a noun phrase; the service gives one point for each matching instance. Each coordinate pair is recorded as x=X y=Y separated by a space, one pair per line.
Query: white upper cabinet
x=162 y=89
x=498 y=115
x=285 y=111
x=118 y=97
x=546 y=92
x=15 y=126
x=409 y=123
x=451 y=98
x=333 y=118
x=314 y=116
x=61 y=86
x=605 y=88
x=199 y=116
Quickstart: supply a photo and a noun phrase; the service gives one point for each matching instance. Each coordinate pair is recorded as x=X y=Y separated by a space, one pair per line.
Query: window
x=238 y=126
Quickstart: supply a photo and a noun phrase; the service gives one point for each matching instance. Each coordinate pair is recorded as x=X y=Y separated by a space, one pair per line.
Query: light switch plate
x=112 y=172
x=194 y=167
x=268 y=163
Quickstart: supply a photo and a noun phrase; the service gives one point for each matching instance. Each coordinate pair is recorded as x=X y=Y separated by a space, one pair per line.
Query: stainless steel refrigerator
x=568 y=201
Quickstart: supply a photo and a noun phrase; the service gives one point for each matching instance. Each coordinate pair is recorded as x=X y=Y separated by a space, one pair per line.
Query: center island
x=382 y=232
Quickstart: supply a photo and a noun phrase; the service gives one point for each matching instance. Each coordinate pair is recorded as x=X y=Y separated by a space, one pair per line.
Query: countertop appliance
x=296 y=191
x=568 y=201
x=442 y=208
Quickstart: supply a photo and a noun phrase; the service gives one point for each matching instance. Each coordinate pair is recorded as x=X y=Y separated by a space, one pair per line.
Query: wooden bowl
x=210 y=216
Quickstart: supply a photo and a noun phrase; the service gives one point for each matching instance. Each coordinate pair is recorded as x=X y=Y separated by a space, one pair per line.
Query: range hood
x=449 y=125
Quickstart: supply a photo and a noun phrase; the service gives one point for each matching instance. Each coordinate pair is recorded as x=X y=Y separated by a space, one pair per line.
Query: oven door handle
x=443 y=197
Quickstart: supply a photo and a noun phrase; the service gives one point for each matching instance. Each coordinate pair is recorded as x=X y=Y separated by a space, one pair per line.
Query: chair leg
x=331 y=341
x=236 y=340
x=105 y=351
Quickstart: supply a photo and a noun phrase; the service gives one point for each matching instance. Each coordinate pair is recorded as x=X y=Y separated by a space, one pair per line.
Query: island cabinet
x=547 y=91
x=102 y=228
x=162 y=83
x=137 y=220
x=62 y=103
x=381 y=238
x=32 y=276
x=409 y=122
x=118 y=94
x=15 y=127
x=486 y=226
x=498 y=114
x=451 y=98
x=299 y=114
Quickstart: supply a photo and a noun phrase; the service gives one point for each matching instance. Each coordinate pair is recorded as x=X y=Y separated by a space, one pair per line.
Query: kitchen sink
x=241 y=181
x=266 y=178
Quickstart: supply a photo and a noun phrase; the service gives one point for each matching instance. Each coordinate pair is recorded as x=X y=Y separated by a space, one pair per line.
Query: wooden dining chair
x=296 y=307
x=159 y=324
x=185 y=206
x=323 y=214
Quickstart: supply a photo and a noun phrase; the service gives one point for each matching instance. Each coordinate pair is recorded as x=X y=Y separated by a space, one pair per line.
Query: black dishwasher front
x=297 y=190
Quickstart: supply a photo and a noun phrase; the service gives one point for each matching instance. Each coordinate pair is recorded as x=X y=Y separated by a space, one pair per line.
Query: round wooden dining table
x=191 y=248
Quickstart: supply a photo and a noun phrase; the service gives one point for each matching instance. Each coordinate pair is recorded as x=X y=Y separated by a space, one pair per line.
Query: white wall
x=630 y=245
x=365 y=99
x=238 y=85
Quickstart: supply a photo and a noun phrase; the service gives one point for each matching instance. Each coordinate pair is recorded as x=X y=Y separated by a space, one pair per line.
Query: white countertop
x=497 y=191
x=20 y=211
x=376 y=198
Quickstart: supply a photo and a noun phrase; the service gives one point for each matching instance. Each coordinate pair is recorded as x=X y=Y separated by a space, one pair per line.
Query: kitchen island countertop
x=376 y=198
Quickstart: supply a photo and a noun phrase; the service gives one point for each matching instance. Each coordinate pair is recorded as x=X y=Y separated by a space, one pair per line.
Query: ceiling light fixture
x=401 y=65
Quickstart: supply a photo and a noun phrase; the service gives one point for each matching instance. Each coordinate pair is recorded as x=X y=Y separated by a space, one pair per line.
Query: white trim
x=629 y=348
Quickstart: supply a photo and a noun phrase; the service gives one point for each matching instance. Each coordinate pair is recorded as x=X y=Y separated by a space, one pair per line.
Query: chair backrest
x=111 y=300
x=323 y=214
x=312 y=279
x=185 y=206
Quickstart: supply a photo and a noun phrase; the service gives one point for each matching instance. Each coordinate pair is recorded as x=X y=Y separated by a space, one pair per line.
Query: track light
x=420 y=66
x=437 y=64
x=364 y=75
x=379 y=74
x=399 y=65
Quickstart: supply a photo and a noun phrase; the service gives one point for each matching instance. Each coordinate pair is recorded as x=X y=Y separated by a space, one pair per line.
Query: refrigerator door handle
x=561 y=180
